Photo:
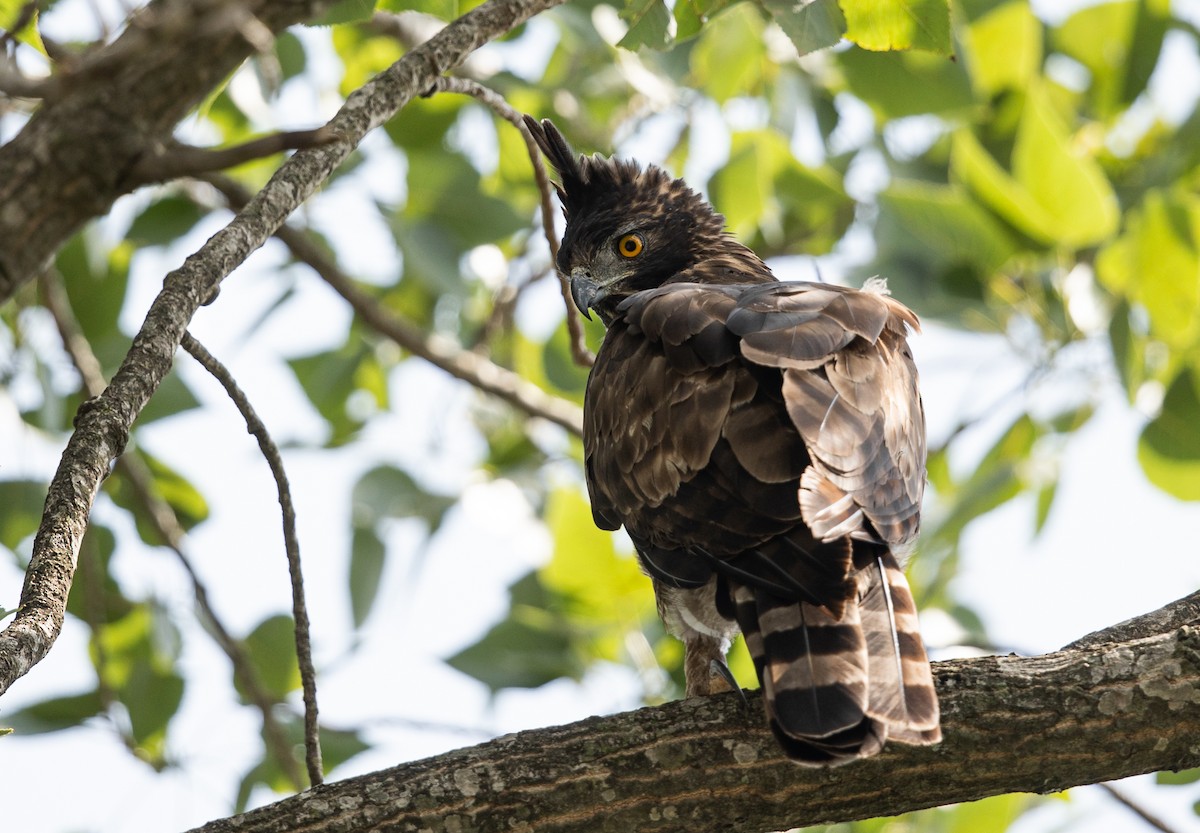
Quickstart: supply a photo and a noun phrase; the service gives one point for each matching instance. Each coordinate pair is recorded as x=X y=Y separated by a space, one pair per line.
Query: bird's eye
x=631 y=245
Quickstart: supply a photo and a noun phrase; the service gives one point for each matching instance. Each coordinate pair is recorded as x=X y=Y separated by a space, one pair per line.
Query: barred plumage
x=763 y=444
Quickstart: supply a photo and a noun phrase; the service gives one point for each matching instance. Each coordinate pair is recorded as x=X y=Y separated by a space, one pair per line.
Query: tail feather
x=836 y=688
x=902 y=692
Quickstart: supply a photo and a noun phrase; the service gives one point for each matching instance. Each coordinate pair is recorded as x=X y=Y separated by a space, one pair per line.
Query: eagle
x=763 y=444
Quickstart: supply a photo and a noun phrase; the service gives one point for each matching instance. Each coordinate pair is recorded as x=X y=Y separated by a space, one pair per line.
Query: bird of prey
x=763 y=444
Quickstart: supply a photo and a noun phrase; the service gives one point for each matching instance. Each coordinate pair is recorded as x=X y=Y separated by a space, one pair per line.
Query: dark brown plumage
x=763 y=444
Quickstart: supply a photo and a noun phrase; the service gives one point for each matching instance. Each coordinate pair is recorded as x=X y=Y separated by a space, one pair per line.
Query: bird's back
x=760 y=444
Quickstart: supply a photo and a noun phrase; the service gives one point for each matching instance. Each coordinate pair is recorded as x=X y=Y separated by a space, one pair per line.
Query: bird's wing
x=850 y=386
x=664 y=357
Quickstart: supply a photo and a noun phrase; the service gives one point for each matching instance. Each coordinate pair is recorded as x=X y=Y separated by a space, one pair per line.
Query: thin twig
x=494 y=101
x=168 y=527
x=437 y=350
x=179 y=160
x=308 y=677
x=1122 y=798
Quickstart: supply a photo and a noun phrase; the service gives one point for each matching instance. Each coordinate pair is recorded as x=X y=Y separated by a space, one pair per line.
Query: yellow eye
x=631 y=245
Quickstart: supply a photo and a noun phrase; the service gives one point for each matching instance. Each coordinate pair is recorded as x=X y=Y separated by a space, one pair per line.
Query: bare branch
x=270 y=451
x=1038 y=724
x=462 y=364
x=167 y=525
x=16 y=85
x=179 y=160
x=579 y=352
x=1137 y=809
x=103 y=423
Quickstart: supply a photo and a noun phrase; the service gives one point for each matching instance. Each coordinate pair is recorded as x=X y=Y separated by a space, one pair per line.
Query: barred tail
x=835 y=688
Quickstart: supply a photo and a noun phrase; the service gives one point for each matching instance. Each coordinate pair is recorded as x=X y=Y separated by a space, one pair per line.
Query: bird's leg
x=704 y=666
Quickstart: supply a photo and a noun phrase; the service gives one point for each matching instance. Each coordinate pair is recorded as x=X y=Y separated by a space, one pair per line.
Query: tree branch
x=1185 y=611
x=179 y=160
x=462 y=364
x=270 y=451
x=103 y=423
x=1038 y=724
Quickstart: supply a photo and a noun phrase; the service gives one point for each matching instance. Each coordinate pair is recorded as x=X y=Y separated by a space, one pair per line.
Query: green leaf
x=389 y=492
x=289 y=51
x=55 y=714
x=1185 y=776
x=152 y=697
x=271 y=649
x=172 y=397
x=728 y=59
x=1045 y=501
x=938 y=246
x=22 y=502
x=1054 y=194
x=382 y=493
x=529 y=648
x=810 y=26
x=603 y=586
x=189 y=505
x=95 y=282
x=773 y=202
x=1169 y=447
x=329 y=379
x=902 y=84
x=96 y=597
x=994 y=481
x=1004 y=48
x=345 y=11
x=1119 y=43
x=649 y=23
x=1155 y=263
x=10 y=14
x=164 y=221
x=884 y=25
x=367 y=557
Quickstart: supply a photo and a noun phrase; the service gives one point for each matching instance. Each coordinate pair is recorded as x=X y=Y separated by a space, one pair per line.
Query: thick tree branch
x=72 y=159
x=103 y=423
x=1038 y=724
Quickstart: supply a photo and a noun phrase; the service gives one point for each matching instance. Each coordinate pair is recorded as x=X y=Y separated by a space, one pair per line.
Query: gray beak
x=585 y=291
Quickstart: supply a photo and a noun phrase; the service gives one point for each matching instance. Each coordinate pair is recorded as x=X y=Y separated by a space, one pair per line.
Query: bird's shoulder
x=780 y=324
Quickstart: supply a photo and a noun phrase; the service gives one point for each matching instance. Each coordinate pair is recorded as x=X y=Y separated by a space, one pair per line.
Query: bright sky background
x=1114 y=546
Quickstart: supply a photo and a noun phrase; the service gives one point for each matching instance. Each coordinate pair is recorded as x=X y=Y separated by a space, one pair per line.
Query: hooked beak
x=586 y=292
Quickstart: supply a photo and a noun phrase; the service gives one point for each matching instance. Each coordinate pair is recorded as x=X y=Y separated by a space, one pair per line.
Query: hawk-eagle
x=763 y=444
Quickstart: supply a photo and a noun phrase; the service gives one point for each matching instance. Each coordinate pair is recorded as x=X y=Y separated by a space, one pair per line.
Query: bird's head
x=628 y=228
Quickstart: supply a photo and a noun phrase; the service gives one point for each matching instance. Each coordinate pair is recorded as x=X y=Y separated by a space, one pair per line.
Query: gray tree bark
x=1038 y=724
